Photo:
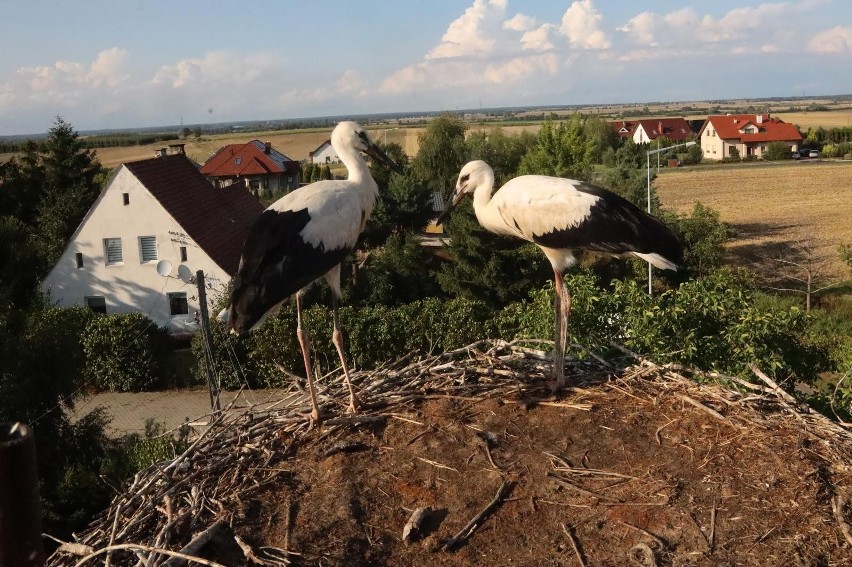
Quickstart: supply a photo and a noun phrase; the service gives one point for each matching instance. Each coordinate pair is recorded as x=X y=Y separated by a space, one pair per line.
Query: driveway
x=128 y=412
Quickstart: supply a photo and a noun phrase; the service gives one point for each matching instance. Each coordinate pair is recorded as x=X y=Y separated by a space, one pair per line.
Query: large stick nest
x=645 y=464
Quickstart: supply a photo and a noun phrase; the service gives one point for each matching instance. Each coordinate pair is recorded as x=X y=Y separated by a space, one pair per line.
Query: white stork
x=562 y=216
x=304 y=236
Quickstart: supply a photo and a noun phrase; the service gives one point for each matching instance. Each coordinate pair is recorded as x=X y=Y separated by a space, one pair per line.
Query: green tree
x=562 y=150
x=503 y=153
x=441 y=156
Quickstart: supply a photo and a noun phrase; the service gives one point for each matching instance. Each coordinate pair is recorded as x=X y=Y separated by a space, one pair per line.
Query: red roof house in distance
x=257 y=165
x=646 y=130
x=749 y=134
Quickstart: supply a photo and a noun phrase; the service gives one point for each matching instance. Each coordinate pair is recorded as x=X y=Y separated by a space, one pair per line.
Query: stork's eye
x=465 y=177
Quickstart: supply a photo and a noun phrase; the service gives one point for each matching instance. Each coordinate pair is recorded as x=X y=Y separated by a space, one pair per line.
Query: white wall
x=326 y=152
x=131 y=286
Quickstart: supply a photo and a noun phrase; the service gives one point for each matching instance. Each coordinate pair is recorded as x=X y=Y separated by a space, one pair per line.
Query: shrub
x=777 y=151
x=123 y=352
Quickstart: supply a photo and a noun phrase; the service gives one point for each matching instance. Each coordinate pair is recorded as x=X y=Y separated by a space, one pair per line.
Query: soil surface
x=606 y=475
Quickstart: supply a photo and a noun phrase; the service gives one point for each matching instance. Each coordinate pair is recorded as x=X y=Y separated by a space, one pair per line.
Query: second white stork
x=563 y=216
x=302 y=237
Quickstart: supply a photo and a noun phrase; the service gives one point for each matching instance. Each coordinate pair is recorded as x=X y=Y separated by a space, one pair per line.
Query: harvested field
x=635 y=466
x=770 y=207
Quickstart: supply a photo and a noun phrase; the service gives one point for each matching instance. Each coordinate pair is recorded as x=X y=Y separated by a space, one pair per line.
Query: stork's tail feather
x=658 y=261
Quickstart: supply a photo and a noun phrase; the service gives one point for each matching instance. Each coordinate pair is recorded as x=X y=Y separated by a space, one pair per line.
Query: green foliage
x=693 y=155
x=19 y=263
x=123 y=352
x=845 y=251
x=704 y=237
x=503 y=153
x=777 y=151
x=400 y=272
x=442 y=154
x=837 y=150
x=405 y=204
x=480 y=261
x=562 y=150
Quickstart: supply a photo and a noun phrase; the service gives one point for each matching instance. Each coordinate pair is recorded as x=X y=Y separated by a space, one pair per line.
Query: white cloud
x=519 y=68
x=835 y=40
x=469 y=34
x=763 y=28
x=520 y=22
x=539 y=38
x=580 y=24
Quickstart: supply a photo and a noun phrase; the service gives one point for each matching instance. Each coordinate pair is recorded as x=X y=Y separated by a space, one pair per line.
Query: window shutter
x=112 y=248
x=148 y=246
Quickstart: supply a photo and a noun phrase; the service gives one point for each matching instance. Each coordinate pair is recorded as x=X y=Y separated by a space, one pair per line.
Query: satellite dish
x=164 y=268
x=185 y=273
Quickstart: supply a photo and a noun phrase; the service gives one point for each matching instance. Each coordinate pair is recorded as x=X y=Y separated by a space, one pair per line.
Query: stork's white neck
x=487 y=215
x=356 y=167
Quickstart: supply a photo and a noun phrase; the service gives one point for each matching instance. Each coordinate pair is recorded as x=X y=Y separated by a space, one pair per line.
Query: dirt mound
x=643 y=466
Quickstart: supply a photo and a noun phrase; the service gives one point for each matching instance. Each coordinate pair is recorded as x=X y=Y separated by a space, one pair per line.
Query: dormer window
x=238 y=160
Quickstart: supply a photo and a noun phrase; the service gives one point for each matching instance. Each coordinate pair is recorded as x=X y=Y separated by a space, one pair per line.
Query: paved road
x=128 y=412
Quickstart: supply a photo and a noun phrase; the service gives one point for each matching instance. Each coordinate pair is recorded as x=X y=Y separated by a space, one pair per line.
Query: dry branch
x=468 y=530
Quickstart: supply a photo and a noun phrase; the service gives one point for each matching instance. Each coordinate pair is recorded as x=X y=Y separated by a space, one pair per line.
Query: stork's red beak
x=457 y=197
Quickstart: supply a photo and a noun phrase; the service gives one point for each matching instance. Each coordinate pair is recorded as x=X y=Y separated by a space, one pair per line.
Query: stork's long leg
x=305 y=342
x=561 y=308
x=337 y=339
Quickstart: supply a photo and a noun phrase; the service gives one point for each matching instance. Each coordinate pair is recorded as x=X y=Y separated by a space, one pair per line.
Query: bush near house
x=123 y=352
x=777 y=151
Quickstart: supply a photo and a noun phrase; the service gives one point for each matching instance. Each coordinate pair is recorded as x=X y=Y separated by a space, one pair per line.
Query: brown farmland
x=771 y=206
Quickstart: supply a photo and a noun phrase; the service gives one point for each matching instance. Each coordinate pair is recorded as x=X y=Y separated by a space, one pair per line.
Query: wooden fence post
x=20 y=511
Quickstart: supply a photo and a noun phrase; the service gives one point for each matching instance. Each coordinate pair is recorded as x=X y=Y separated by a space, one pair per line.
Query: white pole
x=649 y=212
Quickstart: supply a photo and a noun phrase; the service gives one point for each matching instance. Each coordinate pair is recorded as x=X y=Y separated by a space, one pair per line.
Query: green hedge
x=713 y=323
x=123 y=353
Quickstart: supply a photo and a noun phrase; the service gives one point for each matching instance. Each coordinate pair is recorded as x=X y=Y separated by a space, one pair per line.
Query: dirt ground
x=774 y=210
x=642 y=466
x=596 y=478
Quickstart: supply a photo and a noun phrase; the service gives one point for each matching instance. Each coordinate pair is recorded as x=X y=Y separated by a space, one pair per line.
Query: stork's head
x=473 y=175
x=352 y=135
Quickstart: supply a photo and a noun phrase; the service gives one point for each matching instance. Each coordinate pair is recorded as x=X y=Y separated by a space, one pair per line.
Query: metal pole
x=208 y=342
x=20 y=513
x=649 y=212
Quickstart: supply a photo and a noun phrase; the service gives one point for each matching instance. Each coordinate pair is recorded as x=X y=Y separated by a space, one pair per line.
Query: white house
x=155 y=212
x=324 y=154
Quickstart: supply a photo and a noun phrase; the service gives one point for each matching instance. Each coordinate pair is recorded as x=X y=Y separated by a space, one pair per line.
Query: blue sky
x=118 y=64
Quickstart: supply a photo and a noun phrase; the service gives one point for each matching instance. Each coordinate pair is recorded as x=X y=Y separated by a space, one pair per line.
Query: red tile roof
x=769 y=129
x=251 y=158
x=672 y=128
x=216 y=219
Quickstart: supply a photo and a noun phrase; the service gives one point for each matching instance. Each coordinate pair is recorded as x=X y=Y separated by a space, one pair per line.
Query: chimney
x=759 y=118
x=176 y=150
x=161 y=152
x=267 y=146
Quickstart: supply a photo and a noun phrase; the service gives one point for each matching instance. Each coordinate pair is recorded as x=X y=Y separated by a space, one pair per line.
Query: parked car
x=813 y=154
x=795 y=155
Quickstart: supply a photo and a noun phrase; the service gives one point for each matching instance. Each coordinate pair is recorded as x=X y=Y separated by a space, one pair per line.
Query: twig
x=574 y=544
x=437 y=464
x=468 y=530
x=148 y=549
x=702 y=407
x=837 y=506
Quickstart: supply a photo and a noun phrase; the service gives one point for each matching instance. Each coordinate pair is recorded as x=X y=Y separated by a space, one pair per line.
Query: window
x=177 y=303
x=238 y=160
x=96 y=303
x=183 y=253
x=79 y=257
x=148 y=248
x=112 y=251
x=126 y=197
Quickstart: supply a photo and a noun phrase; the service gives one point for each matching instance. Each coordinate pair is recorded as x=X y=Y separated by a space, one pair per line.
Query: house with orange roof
x=745 y=134
x=258 y=166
